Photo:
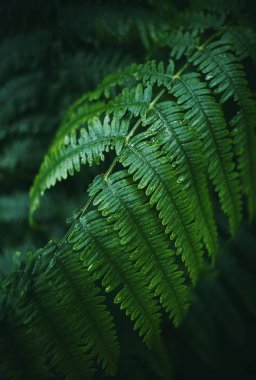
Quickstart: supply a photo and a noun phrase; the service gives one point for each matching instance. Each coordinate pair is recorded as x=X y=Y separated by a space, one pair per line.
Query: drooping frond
x=137 y=224
x=226 y=76
x=105 y=257
x=69 y=344
x=183 y=150
x=41 y=312
x=157 y=177
x=207 y=120
x=77 y=290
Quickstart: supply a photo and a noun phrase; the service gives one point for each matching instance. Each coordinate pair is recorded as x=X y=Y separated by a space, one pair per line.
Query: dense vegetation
x=147 y=111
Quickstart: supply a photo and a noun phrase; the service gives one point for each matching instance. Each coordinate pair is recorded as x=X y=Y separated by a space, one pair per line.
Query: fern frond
x=135 y=100
x=105 y=257
x=208 y=122
x=242 y=41
x=76 y=290
x=68 y=344
x=200 y=21
x=181 y=42
x=63 y=160
x=139 y=230
x=151 y=72
x=226 y=75
x=65 y=352
x=96 y=139
x=172 y=137
x=183 y=150
x=153 y=173
x=76 y=117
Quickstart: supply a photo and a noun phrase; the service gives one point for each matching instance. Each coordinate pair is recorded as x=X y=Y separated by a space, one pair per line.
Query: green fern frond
x=183 y=150
x=226 y=76
x=127 y=207
x=242 y=41
x=151 y=72
x=42 y=314
x=76 y=290
x=200 y=21
x=96 y=139
x=175 y=146
x=154 y=174
x=65 y=289
x=208 y=122
x=181 y=42
x=76 y=117
x=105 y=257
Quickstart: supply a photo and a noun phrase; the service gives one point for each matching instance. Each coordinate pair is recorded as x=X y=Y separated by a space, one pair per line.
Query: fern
x=102 y=253
x=184 y=153
x=137 y=224
x=206 y=118
x=149 y=220
x=226 y=75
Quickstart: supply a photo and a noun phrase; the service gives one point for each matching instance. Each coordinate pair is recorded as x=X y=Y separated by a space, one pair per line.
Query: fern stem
x=110 y=169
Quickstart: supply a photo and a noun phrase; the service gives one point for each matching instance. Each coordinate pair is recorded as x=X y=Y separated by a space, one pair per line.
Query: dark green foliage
x=174 y=134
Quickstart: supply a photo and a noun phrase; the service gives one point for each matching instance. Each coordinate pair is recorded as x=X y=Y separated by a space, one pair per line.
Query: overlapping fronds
x=137 y=224
x=66 y=347
x=180 y=137
x=154 y=174
x=104 y=256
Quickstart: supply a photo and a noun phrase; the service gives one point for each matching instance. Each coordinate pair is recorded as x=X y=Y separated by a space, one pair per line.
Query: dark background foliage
x=51 y=52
